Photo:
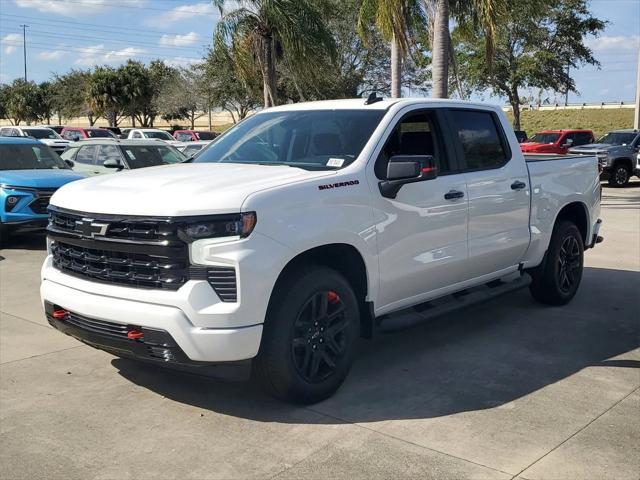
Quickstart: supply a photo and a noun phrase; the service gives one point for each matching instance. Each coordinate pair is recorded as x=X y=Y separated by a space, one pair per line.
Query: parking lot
x=508 y=389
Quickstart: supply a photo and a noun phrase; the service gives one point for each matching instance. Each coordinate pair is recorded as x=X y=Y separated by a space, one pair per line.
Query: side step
x=441 y=306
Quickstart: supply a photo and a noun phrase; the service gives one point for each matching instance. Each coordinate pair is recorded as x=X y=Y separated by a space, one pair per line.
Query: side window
x=565 y=140
x=136 y=135
x=416 y=134
x=87 y=154
x=5 y=132
x=482 y=145
x=109 y=152
x=582 y=138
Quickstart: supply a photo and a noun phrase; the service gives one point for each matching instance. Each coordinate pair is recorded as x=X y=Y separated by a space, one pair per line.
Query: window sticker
x=335 y=162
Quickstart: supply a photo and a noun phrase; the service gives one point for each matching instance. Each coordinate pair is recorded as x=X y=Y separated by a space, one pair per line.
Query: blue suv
x=30 y=172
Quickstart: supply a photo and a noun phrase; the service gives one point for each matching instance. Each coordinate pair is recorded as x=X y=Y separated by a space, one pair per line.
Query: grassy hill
x=599 y=120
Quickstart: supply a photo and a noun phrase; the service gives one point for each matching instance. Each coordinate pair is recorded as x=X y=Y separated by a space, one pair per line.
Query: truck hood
x=530 y=146
x=596 y=147
x=42 y=178
x=51 y=141
x=177 y=190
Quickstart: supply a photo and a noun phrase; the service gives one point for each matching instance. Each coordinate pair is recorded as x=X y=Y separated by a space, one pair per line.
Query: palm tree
x=396 y=20
x=274 y=31
x=482 y=14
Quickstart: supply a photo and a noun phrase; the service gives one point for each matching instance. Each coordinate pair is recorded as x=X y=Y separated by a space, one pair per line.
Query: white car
x=44 y=135
x=150 y=134
x=189 y=149
x=303 y=227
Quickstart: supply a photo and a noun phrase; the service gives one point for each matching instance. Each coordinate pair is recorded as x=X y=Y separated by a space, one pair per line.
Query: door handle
x=453 y=194
x=518 y=185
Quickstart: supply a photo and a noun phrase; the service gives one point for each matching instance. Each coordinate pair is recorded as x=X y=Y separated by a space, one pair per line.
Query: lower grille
x=40 y=204
x=97 y=326
x=124 y=268
x=223 y=281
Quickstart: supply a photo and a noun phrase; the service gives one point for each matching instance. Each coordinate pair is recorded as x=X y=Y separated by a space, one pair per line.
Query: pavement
x=507 y=389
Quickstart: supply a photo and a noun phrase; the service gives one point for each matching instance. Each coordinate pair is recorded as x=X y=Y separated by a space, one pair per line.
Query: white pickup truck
x=304 y=226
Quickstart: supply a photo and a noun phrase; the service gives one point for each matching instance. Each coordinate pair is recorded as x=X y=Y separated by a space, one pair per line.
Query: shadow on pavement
x=479 y=358
x=26 y=241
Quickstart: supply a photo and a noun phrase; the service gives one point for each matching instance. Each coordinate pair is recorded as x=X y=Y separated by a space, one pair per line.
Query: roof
x=18 y=141
x=148 y=130
x=121 y=142
x=84 y=128
x=625 y=130
x=563 y=130
x=384 y=104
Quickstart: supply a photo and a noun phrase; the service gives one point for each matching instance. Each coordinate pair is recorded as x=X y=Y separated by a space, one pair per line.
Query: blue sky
x=65 y=34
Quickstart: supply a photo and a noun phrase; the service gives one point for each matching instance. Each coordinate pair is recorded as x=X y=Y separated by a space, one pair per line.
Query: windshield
x=159 y=135
x=317 y=139
x=99 y=133
x=139 y=156
x=29 y=157
x=618 y=138
x=41 y=133
x=545 y=137
x=206 y=135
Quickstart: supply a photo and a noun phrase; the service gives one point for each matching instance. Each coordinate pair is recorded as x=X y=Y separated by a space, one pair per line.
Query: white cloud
x=52 y=55
x=11 y=42
x=74 y=8
x=618 y=43
x=182 y=61
x=98 y=55
x=179 y=40
x=184 y=12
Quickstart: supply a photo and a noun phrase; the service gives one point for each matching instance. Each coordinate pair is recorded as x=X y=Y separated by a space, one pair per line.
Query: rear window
x=545 y=138
x=206 y=135
x=100 y=134
x=140 y=156
x=29 y=157
x=41 y=133
x=481 y=142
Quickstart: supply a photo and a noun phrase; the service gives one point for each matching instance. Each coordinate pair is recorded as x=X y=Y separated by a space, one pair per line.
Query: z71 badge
x=339 y=184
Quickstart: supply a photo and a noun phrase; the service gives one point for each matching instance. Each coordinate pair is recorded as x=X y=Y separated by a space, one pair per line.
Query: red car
x=556 y=141
x=193 y=135
x=74 y=134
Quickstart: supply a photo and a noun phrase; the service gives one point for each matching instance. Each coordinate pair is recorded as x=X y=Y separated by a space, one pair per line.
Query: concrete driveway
x=508 y=389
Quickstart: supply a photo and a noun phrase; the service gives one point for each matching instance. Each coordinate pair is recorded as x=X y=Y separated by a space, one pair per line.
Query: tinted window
x=40 y=133
x=99 y=133
x=159 y=135
x=318 y=139
x=87 y=154
x=545 y=138
x=206 y=135
x=582 y=138
x=29 y=157
x=481 y=143
x=618 y=138
x=183 y=137
x=414 y=135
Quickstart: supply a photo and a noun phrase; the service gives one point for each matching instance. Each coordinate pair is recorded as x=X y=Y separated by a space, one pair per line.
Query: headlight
x=225 y=227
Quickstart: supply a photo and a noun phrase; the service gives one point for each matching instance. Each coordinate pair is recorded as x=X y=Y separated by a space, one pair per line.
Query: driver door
x=422 y=233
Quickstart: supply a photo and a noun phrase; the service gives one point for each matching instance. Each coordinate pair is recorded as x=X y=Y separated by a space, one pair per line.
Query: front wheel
x=619 y=176
x=309 y=336
x=556 y=281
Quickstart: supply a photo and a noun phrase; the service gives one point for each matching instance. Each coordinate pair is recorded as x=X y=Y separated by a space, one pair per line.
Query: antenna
x=373 y=98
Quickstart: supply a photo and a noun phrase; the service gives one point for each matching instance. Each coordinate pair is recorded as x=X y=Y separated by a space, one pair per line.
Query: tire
x=619 y=176
x=309 y=336
x=556 y=281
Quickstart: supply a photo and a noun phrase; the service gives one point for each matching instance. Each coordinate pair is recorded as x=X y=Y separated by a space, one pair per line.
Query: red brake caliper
x=333 y=297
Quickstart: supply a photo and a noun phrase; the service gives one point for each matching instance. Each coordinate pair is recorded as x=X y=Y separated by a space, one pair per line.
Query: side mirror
x=112 y=163
x=70 y=163
x=567 y=143
x=404 y=169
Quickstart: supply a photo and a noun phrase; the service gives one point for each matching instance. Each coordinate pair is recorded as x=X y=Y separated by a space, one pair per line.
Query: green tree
x=399 y=22
x=22 y=102
x=275 y=31
x=534 y=45
x=138 y=93
x=106 y=94
x=45 y=104
x=71 y=97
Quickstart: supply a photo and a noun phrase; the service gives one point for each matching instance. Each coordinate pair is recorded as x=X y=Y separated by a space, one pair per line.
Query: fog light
x=60 y=314
x=11 y=202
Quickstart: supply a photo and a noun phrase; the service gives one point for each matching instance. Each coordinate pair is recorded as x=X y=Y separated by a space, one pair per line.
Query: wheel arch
x=346 y=260
x=624 y=160
x=578 y=213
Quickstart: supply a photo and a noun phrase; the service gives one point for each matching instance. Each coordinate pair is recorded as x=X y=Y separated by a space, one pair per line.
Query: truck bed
x=544 y=157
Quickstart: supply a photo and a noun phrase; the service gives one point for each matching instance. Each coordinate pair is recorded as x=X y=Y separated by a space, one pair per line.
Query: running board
x=441 y=306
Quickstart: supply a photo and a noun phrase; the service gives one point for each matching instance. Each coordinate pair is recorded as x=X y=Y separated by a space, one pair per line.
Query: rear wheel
x=619 y=176
x=556 y=281
x=309 y=336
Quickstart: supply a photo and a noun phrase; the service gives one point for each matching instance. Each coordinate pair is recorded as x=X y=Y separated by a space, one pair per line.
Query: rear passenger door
x=498 y=192
x=422 y=232
x=85 y=160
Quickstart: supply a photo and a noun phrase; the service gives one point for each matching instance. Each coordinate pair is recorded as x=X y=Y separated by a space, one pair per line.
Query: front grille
x=124 y=268
x=97 y=326
x=130 y=251
x=40 y=204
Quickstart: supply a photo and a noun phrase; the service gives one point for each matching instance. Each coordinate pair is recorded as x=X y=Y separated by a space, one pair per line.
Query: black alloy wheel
x=569 y=264
x=319 y=336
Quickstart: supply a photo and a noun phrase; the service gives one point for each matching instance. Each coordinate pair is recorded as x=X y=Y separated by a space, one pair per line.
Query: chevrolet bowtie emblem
x=88 y=228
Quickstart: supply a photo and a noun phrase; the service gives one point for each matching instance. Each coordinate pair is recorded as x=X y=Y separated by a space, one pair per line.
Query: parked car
x=30 y=172
x=616 y=152
x=189 y=149
x=44 y=134
x=150 y=134
x=124 y=133
x=56 y=128
x=305 y=225
x=115 y=130
x=521 y=135
x=193 y=135
x=75 y=134
x=556 y=141
x=94 y=157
